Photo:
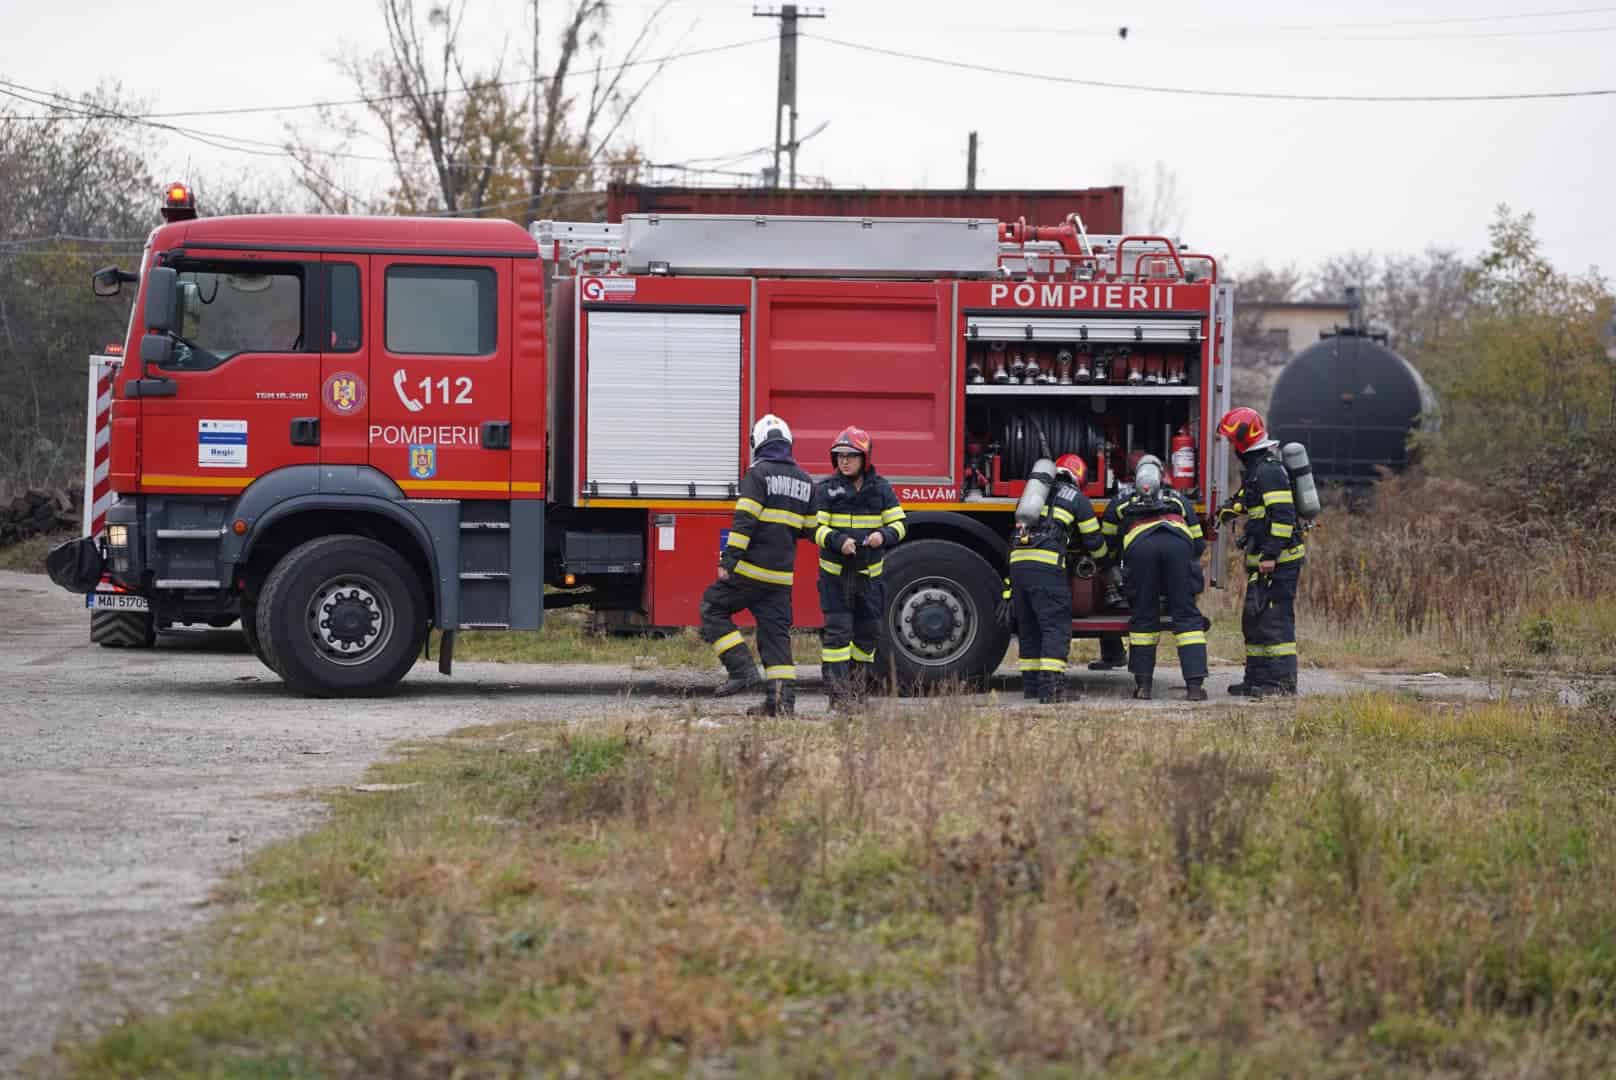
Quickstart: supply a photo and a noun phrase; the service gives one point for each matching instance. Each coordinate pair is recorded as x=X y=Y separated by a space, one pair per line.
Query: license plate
x=106 y=601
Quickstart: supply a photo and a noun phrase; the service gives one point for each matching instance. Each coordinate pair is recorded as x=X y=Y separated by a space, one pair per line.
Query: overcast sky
x=1268 y=181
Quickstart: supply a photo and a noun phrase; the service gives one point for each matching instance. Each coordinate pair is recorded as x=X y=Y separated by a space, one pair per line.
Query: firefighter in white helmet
x=1162 y=543
x=755 y=571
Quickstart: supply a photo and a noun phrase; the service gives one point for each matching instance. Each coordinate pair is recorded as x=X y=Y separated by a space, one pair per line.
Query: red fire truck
x=357 y=429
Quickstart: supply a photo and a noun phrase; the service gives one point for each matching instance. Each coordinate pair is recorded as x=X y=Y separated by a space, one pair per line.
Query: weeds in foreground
x=1354 y=886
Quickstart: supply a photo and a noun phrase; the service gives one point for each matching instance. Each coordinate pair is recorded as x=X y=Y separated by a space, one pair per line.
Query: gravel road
x=130 y=781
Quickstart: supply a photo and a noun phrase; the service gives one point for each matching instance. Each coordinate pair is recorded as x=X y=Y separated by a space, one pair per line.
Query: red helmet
x=1244 y=429
x=855 y=440
x=1072 y=466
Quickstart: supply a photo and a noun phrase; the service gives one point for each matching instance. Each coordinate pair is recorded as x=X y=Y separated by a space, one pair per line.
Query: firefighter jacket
x=1046 y=543
x=842 y=511
x=1270 y=509
x=771 y=514
x=1129 y=516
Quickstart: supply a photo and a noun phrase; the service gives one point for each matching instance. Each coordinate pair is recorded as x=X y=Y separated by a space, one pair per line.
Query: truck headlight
x=118 y=547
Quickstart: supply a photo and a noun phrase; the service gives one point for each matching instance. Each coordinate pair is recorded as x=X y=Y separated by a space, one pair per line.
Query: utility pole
x=786 y=100
x=970 y=164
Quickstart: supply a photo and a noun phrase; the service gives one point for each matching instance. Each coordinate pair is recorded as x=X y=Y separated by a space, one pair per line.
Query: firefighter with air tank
x=1052 y=506
x=857 y=520
x=1274 y=542
x=755 y=571
x=1161 y=543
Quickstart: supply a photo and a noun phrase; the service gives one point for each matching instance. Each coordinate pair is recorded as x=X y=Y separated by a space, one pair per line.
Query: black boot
x=785 y=699
x=837 y=690
x=743 y=673
x=1141 y=687
x=1051 y=687
x=1113 y=655
x=770 y=705
x=1194 y=690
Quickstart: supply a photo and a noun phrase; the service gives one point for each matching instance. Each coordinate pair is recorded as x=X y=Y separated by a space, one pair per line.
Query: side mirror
x=108 y=281
x=156 y=350
x=162 y=299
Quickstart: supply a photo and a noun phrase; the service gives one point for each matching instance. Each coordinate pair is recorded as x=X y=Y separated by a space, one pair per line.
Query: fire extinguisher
x=1183 y=454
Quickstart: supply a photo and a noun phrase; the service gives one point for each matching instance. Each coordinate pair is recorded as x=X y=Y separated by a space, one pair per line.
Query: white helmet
x=1147 y=476
x=769 y=426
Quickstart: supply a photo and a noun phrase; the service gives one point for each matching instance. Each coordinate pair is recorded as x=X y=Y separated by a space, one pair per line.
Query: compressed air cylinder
x=1036 y=493
x=1301 y=470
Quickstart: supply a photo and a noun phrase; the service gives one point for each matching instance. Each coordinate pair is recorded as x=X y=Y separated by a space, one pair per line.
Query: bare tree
x=1155 y=206
x=462 y=138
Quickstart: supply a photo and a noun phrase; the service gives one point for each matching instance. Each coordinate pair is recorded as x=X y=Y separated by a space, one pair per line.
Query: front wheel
x=342 y=616
x=939 y=627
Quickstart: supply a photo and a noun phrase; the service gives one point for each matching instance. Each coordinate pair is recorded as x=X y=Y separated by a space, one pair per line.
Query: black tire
x=939 y=627
x=377 y=599
x=122 y=629
x=249 y=630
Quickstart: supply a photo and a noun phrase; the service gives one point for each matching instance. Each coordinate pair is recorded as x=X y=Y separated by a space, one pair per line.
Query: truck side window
x=231 y=308
x=343 y=302
x=441 y=310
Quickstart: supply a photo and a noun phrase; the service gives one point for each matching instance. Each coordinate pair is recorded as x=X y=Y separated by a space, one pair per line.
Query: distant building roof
x=1294 y=305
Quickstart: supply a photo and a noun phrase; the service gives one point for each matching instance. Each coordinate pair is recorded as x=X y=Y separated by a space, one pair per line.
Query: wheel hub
x=349 y=620
x=932 y=621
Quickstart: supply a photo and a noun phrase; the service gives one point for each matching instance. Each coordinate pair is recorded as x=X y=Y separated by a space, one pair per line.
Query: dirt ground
x=131 y=781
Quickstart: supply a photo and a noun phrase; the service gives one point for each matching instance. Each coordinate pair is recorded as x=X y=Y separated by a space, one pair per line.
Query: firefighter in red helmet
x=1275 y=552
x=857 y=520
x=1039 y=582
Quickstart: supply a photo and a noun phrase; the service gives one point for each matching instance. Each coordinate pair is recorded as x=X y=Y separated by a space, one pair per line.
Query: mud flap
x=75 y=565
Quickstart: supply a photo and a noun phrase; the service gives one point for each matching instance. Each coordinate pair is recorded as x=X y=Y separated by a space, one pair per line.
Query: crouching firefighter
x=754 y=571
x=1051 y=507
x=1275 y=551
x=857 y=520
x=1162 y=542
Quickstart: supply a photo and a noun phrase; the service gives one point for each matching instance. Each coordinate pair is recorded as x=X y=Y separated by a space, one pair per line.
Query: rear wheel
x=122 y=629
x=939 y=627
x=341 y=616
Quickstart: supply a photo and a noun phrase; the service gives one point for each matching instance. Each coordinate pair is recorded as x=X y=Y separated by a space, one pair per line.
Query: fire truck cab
x=362 y=428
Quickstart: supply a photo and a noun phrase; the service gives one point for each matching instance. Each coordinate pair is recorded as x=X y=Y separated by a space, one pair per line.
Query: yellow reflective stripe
x=823 y=517
x=728 y=642
x=822 y=535
x=874 y=569
x=1286 y=648
x=1252 y=560
x=1052 y=664
x=1257 y=513
x=862 y=657
x=830 y=567
x=1063 y=515
x=901 y=528
x=1110 y=528
x=738 y=540
x=782 y=517
x=836 y=656
x=1195 y=532
x=1192 y=637
x=1089 y=525
x=1030 y=664
x=1134 y=532
x=1037 y=555
x=1292 y=554
x=1282 y=530
x=867 y=521
x=780 y=671
x=1150 y=638
x=891 y=514
x=743 y=505
x=763 y=574
x=1274 y=498
x=1103 y=550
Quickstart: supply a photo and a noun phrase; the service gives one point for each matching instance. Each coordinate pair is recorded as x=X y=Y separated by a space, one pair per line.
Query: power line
x=1236 y=34
x=262 y=148
x=382 y=99
x=1257 y=95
